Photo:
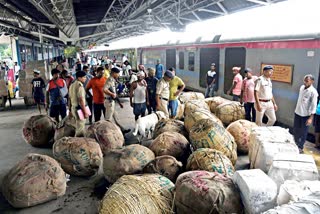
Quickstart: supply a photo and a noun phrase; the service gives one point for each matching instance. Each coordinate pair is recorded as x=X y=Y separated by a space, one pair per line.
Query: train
x=292 y=57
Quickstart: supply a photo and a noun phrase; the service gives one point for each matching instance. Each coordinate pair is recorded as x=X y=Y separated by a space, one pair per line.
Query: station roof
x=83 y=22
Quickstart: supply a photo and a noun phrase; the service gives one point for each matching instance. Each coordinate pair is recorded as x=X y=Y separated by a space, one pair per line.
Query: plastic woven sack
x=214 y=102
x=187 y=96
x=241 y=130
x=107 y=134
x=201 y=192
x=230 y=112
x=78 y=156
x=66 y=128
x=148 y=193
x=34 y=180
x=209 y=134
x=39 y=130
x=210 y=160
x=195 y=105
x=126 y=161
x=165 y=165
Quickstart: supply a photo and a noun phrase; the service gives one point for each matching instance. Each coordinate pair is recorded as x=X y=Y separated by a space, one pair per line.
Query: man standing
x=16 y=69
x=96 y=84
x=305 y=110
x=151 y=87
x=247 y=95
x=264 y=100
x=211 y=81
x=37 y=89
x=236 y=84
x=159 y=70
x=176 y=86
x=163 y=92
x=111 y=95
x=55 y=95
x=78 y=102
x=89 y=92
x=139 y=93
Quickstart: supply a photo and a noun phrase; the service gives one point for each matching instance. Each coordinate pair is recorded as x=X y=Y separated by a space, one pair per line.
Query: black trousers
x=152 y=105
x=89 y=102
x=98 y=108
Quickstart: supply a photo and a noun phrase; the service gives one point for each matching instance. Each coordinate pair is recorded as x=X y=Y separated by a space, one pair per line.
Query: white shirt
x=307 y=101
x=16 y=69
x=264 y=88
x=211 y=73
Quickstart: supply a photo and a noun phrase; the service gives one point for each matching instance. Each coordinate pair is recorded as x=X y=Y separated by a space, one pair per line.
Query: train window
x=191 y=56
x=181 y=60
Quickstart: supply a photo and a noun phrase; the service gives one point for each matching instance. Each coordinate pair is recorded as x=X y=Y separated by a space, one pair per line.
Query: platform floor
x=80 y=198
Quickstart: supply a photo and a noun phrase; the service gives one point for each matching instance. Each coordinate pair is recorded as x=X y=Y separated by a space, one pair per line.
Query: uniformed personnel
x=111 y=95
x=264 y=100
x=77 y=96
x=163 y=92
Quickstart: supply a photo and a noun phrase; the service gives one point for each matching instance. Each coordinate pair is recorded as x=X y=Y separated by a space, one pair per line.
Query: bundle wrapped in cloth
x=34 y=180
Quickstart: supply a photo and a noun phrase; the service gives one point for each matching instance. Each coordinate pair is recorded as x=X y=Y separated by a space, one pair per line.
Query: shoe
x=125 y=131
x=300 y=151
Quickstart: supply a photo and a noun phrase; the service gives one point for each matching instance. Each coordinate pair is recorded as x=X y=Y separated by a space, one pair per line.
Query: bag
x=318 y=108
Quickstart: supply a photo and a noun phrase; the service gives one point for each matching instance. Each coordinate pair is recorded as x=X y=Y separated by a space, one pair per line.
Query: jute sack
x=78 y=156
x=201 y=192
x=180 y=111
x=187 y=96
x=171 y=143
x=209 y=134
x=210 y=160
x=165 y=165
x=107 y=134
x=66 y=128
x=148 y=193
x=195 y=105
x=126 y=161
x=214 y=102
x=34 y=180
x=241 y=130
x=193 y=117
x=165 y=125
x=230 y=112
x=39 y=130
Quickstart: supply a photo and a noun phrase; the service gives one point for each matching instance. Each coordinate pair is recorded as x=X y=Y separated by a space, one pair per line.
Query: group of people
x=255 y=93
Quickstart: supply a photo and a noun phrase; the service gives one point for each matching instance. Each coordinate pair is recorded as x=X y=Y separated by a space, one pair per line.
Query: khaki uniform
x=77 y=92
x=110 y=103
x=164 y=93
x=263 y=87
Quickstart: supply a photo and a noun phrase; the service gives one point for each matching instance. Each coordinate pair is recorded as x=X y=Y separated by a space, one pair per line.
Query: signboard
x=281 y=73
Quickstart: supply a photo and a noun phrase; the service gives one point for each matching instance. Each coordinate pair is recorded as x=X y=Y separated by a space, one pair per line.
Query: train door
x=233 y=57
x=170 y=58
x=208 y=56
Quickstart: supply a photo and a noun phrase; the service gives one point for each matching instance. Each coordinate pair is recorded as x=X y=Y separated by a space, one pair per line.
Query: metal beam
x=2 y=23
x=211 y=11
x=258 y=2
x=91 y=25
x=93 y=35
x=222 y=8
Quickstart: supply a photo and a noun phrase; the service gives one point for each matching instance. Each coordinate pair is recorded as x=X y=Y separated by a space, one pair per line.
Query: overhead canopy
x=83 y=22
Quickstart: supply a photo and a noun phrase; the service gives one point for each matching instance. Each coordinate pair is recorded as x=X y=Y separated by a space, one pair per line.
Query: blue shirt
x=159 y=71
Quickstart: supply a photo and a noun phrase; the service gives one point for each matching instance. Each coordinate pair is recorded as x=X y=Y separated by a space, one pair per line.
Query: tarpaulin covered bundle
x=195 y=105
x=210 y=160
x=166 y=125
x=78 y=156
x=165 y=165
x=201 y=192
x=126 y=161
x=241 y=130
x=107 y=134
x=133 y=194
x=214 y=102
x=34 y=180
x=39 y=130
x=209 y=134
